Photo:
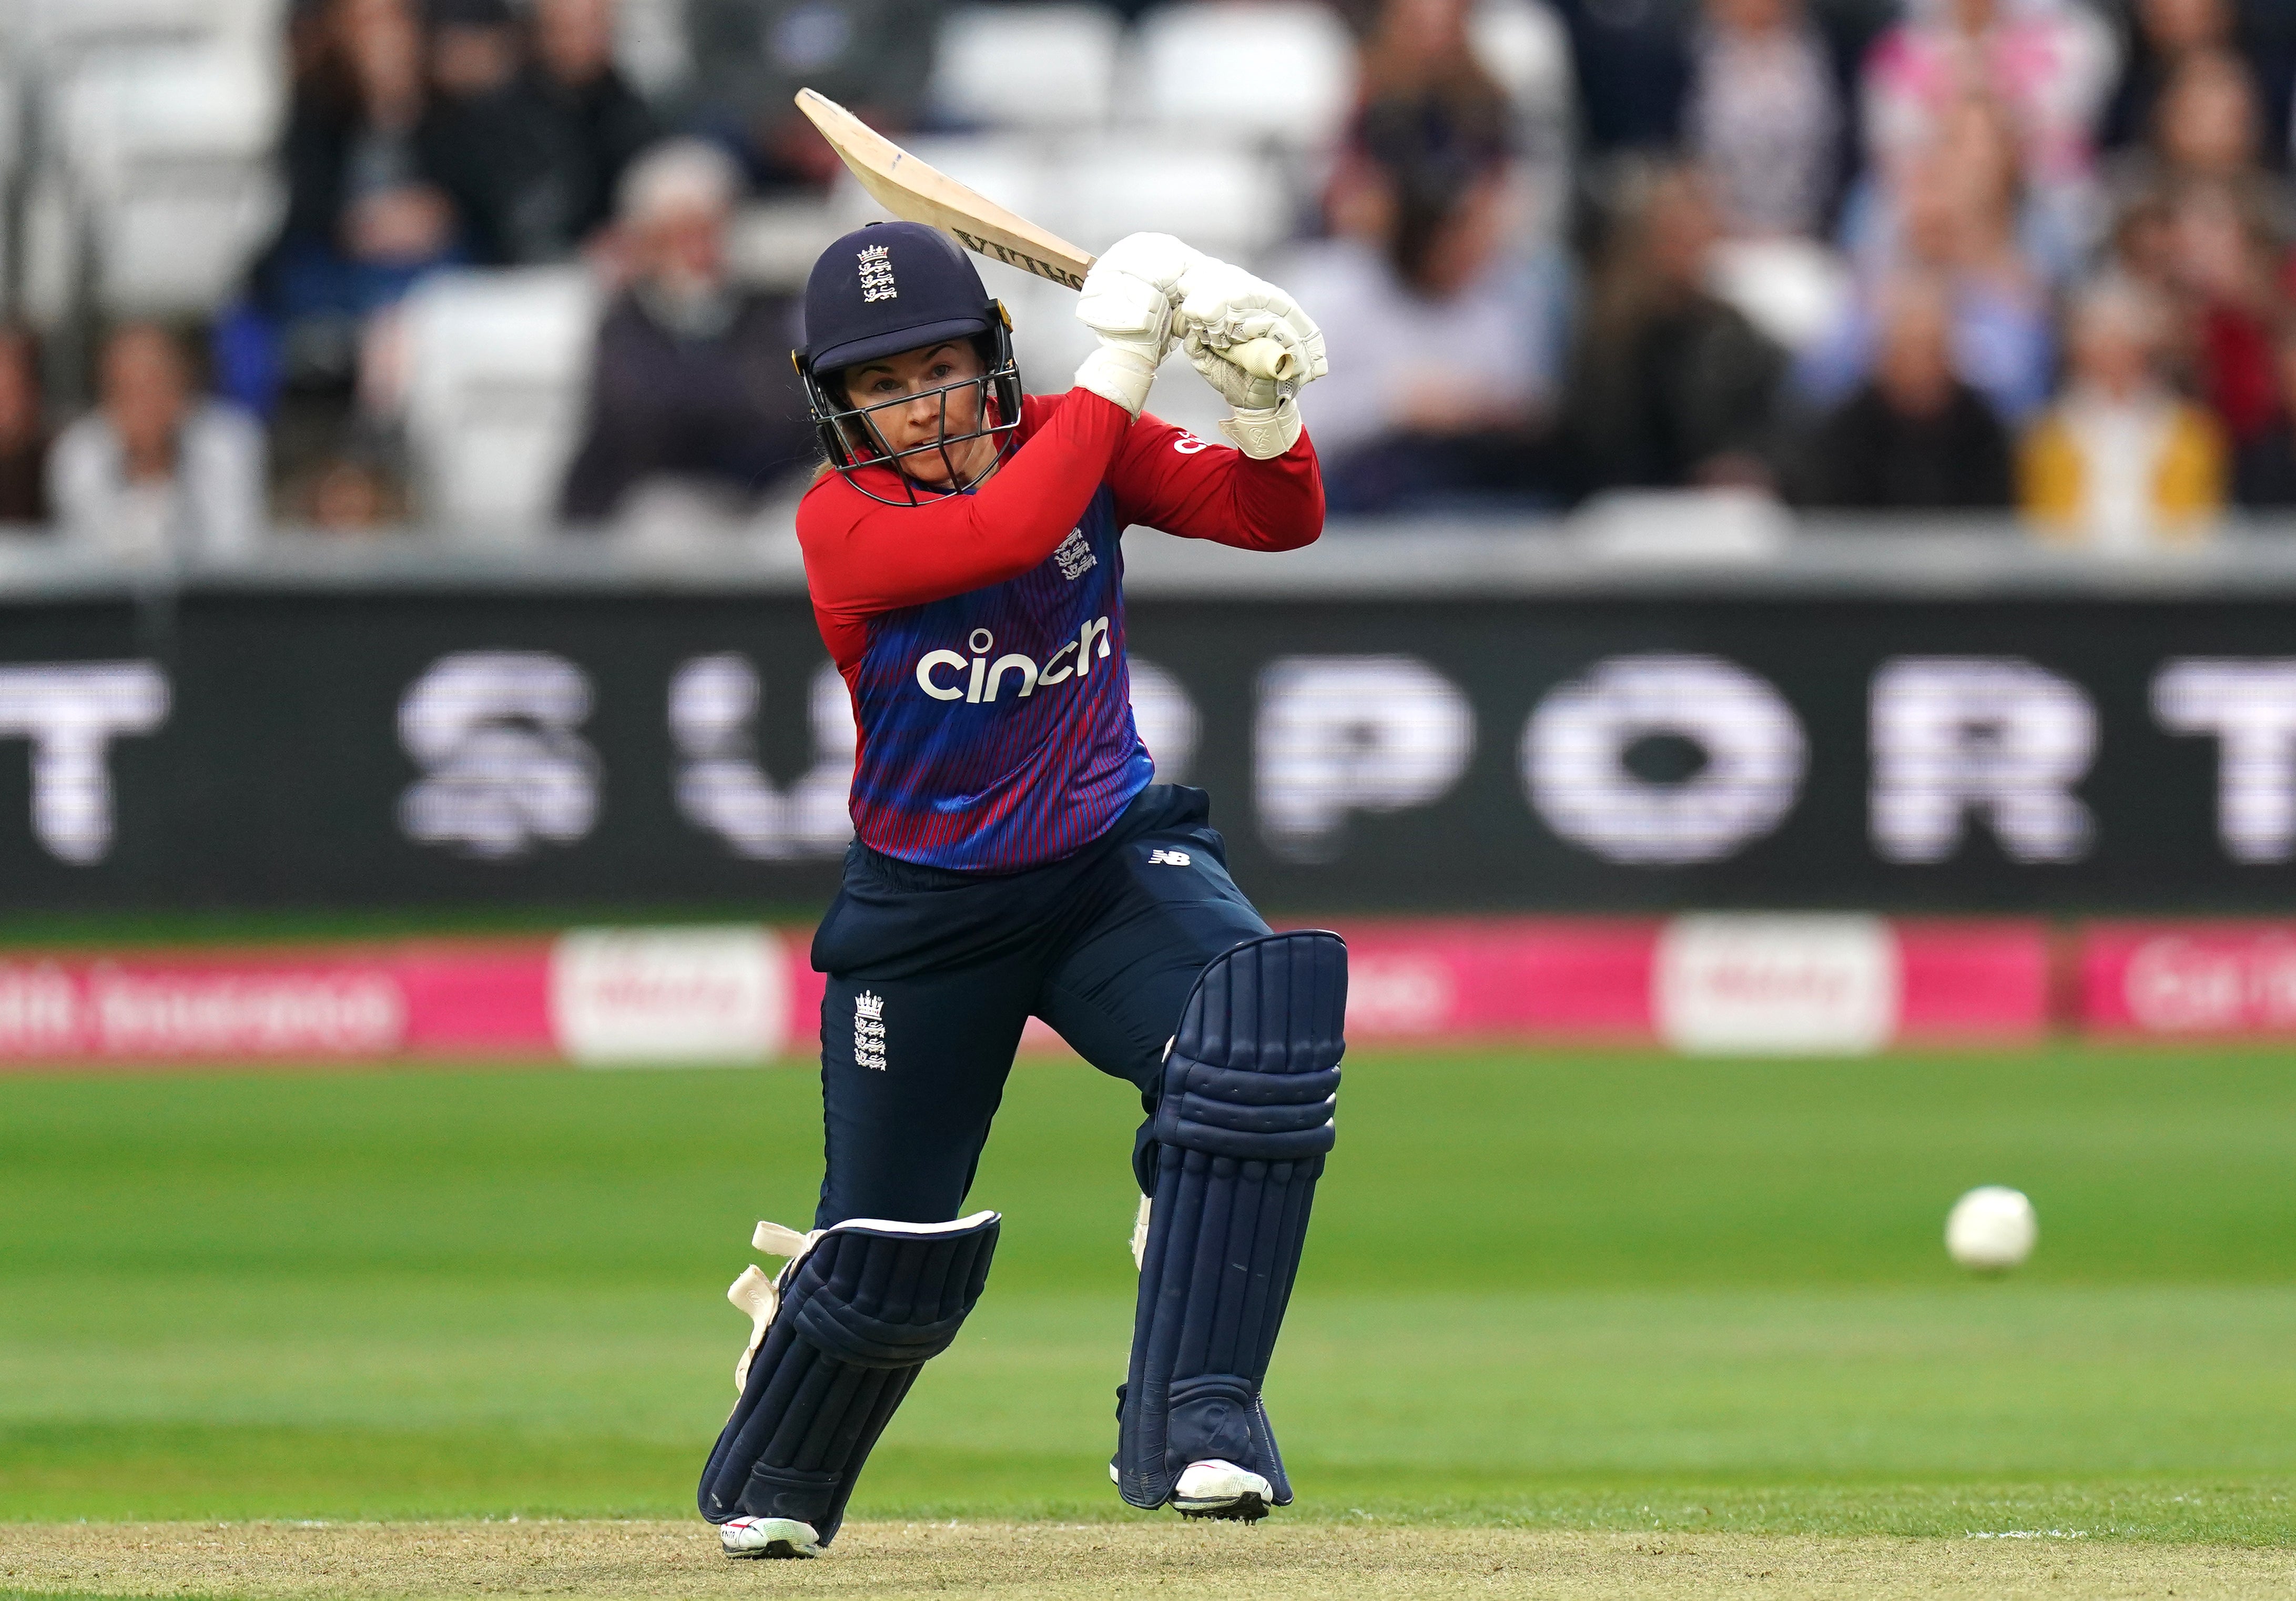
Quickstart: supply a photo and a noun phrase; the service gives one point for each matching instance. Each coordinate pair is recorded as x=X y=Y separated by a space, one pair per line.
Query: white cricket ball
x=1991 y=1229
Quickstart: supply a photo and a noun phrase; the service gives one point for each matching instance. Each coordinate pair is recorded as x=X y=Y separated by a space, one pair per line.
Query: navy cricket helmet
x=899 y=286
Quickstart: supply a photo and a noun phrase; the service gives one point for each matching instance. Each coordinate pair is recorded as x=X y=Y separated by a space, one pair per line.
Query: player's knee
x=1253 y=1072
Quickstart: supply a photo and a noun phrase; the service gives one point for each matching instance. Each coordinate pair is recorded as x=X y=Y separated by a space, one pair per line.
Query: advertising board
x=429 y=746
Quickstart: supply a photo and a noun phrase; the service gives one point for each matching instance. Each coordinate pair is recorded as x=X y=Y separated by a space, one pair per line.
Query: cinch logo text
x=1073 y=660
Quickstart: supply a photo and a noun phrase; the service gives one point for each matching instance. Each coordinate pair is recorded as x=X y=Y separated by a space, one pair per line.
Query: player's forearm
x=1269 y=505
x=896 y=556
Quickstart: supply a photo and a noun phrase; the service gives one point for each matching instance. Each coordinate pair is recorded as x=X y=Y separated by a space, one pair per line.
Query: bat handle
x=1265 y=358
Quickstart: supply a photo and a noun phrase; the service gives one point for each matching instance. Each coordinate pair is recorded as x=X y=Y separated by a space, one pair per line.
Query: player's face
x=941 y=386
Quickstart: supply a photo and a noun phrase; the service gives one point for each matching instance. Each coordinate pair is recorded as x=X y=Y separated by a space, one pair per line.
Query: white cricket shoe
x=767 y=1537
x=1222 y=1489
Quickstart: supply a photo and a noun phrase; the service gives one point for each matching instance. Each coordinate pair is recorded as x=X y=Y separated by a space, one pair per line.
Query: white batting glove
x=1227 y=307
x=1223 y=307
x=1127 y=304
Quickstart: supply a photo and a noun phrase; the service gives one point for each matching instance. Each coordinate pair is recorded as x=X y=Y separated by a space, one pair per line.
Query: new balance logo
x=1075 y=556
x=1167 y=858
x=877 y=274
x=869 y=1031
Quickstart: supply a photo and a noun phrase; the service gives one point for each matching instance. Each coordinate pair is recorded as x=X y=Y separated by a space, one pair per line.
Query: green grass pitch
x=1557 y=1291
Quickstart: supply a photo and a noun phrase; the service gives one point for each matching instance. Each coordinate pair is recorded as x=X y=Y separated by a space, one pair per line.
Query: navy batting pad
x=1235 y=1148
x=860 y=1314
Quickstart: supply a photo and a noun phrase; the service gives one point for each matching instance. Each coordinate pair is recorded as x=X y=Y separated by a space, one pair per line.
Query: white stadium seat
x=1041 y=66
x=1278 y=71
x=169 y=103
x=164 y=152
x=773 y=243
x=177 y=242
x=497 y=377
x=1523 y=45
x=78 y=24
x=1225 y=201
x=649 y=46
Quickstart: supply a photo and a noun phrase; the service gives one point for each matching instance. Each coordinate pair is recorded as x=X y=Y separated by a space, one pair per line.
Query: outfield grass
x=1599 y=1292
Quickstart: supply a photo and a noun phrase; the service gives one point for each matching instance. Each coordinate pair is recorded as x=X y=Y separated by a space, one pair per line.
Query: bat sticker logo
x=1020 y=259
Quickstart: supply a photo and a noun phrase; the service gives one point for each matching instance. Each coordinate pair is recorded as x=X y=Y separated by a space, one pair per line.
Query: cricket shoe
x=746 y=1538
x=1222 y=1489
x=1219 y=1489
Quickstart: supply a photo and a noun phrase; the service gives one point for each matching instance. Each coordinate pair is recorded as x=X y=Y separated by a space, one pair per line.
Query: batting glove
x=1128 y=305
x=1223 y=307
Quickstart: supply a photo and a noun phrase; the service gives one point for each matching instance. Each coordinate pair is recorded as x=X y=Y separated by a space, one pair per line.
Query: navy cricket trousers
x=932 y=974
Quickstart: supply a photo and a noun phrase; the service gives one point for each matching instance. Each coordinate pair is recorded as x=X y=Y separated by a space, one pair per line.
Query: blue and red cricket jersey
x=982 y=635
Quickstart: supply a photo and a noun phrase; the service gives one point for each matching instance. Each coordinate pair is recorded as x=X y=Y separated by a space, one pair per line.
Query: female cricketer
x=1015 y=857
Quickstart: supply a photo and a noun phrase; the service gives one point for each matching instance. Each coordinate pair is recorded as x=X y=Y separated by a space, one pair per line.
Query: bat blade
x=917 y=191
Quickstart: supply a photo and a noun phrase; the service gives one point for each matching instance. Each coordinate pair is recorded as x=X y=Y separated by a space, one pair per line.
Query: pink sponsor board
x=749 y=994
x=1559 y=979
x=469 y=999
x=1596 y=980
x=1972 y=982
x=1599 y=981
x=2188 y=979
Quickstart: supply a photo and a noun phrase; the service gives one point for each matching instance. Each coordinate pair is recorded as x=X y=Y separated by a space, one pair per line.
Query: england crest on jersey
x=1075 y=556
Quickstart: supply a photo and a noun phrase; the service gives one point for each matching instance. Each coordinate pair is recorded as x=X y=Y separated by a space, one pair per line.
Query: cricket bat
x=914 y=191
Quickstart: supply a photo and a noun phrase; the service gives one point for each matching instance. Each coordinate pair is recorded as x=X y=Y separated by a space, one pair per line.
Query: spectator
x=1421 y=282
x=2143 y=247
x=2048 y=64
x=477 y=138
x=23 y=431
x=1632 y=66
x=1669 y=386
x=2164 y=32
x=1954 y=214
x=358 y=491
x=365 y=216
x=2207 y=124
x=752 y=56
x=2226 y=274
x=1421 y=81
x=473 y=47
x=2202 y=222
x=1915 y=437
x=531 y=150
x=2265 y=475
x=2168 y=32
x=2209 y=130
x=1765 y=117
x=692 y=380
x=2120 y=461
x=592 y=123
x=156 y=472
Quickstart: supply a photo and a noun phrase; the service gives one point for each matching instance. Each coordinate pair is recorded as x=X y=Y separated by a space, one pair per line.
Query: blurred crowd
x=1926 y=256
x=1946 y=255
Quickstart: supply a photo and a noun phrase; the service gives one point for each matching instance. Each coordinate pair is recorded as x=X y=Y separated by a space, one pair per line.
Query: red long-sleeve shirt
x=968 y=626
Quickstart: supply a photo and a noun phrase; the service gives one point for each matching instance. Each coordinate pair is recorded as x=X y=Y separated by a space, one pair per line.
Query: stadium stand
x=141 y=159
